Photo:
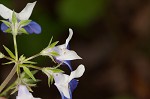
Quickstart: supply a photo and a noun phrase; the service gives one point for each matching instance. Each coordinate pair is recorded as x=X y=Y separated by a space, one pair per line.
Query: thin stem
x=15 y=46
x=34 y=56
x=8 y=78
x=4 y=93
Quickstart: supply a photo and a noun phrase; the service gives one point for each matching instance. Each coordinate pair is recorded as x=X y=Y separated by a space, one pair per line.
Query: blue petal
x=68 y=63
x=33 y=27
x=4 y=27
x=73 y=84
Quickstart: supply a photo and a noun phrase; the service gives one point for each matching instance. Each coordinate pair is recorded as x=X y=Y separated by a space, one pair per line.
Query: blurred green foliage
x=80 y=12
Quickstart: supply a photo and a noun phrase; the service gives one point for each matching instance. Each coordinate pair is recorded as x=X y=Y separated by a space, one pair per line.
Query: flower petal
x=64 y=89
x=77 y=73
x=73 y=84
x=62 y=95
x=23 y=90
x=4 y=27
x=61 y=82
x=26 y=12
x=68 y=55
x=5 y=12
x=33 y=27
x=23 y=93
x=69 y=37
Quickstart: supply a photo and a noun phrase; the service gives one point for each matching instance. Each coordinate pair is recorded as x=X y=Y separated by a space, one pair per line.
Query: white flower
x=23 y=93
x=64 y=53
x=62 y=80
x=6 y=13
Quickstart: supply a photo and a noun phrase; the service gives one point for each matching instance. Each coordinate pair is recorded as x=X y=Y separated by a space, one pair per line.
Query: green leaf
x=57 y=71
x=8 y=30
x=14 y=18
x=15 y=90
x=2 y=55
x=22 y=30
x=53 y=44
x=30 y=62
x=27 y=71
x=9 y=52
x=8 y=63
x=52 y=59
x=53 y=53
x=24 y=75
x=50 y=41
x=6 y=23
x=50 y=80
x=24 y=22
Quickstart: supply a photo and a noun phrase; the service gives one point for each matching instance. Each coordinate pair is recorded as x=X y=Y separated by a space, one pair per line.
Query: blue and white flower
x=64 y=54
x=23 y=93
x=66 y=83
x=6 y=13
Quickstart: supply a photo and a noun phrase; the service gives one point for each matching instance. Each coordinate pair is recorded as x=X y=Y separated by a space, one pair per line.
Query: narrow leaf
x=52 y=59
x=8 y=63
x=57 y=71
x=9 y=52
x=50 y=41
x=8 y=30
x=6 y=23
x=53 y=53
x=2 y=55
x=22 y=30
x=24 y=22
x=53 y=44
x=28 y=72
x=14 y=18
x=49 y=81
x=30 y=62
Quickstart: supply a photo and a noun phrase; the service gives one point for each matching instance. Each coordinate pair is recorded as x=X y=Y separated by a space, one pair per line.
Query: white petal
x=66 y=54
x=61 y=82
x=77 y=73
x=64 y=89
x=26 y=12
x=69 y=37
x=5 y=12
x=60 y=78
x=23 y=90
x=23 y=93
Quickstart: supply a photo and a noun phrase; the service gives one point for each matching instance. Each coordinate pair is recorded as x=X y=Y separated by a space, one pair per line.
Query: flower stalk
x=8 y=78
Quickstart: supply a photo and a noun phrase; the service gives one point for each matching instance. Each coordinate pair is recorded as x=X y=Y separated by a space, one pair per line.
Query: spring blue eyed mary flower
x=31 y=27
x=64 y=54
x=23 y=93
x=66 y=83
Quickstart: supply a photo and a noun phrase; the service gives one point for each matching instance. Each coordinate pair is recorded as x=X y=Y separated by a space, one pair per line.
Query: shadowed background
x=112 y=37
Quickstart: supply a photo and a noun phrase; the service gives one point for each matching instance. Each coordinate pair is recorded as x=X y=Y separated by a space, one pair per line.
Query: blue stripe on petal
x=73 y=84
x=33 y=27
x=4 y=27
x=68 y=62
x=62 y=96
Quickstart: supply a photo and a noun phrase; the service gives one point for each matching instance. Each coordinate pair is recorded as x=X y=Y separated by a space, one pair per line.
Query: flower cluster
x=18 y=23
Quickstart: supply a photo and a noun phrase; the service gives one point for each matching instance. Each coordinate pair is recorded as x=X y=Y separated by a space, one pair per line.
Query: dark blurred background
x=112 y=37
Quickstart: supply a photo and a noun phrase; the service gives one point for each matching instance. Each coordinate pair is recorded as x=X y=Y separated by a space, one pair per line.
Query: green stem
x=15 y=46
x=8 y=78
x=34 y=56
x=5 y=92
